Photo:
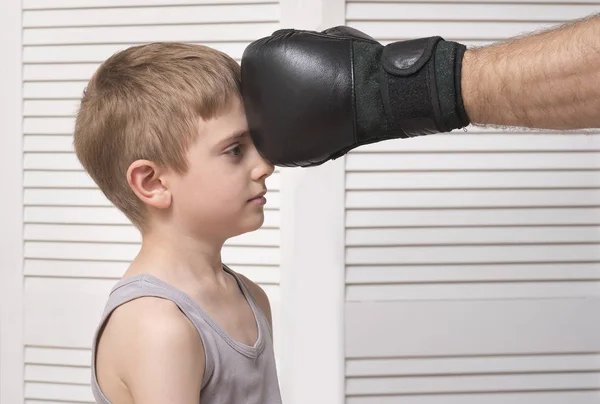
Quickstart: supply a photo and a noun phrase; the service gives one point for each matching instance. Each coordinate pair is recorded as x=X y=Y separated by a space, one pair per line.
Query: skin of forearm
x=546 y=80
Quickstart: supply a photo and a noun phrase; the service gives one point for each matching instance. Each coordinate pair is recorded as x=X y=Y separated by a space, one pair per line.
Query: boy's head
x=150 y=122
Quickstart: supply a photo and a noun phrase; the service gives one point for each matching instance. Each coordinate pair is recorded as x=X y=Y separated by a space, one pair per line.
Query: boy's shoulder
x=151 y=345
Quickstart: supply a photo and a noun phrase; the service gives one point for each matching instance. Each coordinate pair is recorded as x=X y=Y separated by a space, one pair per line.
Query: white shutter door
x=76 y=243
x=472 y=259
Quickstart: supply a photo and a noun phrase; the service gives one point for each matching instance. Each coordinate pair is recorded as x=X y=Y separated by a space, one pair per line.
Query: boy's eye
x=235 y=151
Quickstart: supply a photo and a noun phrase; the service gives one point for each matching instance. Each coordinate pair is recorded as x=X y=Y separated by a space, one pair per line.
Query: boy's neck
x=179 y=258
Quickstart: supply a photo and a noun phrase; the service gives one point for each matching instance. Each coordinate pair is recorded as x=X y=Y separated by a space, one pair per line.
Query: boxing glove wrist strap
x=421 y=86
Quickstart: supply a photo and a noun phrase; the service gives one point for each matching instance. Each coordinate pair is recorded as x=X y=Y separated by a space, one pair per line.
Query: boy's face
x=221 y=195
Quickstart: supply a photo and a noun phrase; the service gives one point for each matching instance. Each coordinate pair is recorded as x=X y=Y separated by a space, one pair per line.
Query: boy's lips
x=259 y=198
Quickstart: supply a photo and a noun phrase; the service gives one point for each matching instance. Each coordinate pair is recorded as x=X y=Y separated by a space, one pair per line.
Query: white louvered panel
x=470 y=254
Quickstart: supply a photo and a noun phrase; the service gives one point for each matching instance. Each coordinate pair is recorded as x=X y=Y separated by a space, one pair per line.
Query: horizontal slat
x=487 y=141
x=127 y=252
x=101 y=215
x=80 y=179
x=145 y=34
x=464 y=12
x=57 y=374
x=472 y=180
x=472 y=198
x=38 y=108
x=190 y=14
x=449 y=30
x=57 y=356
x=51 y=161
x=263 y=274
x=48 y=144
x=65 y=197
x=471 y=254
x=460 y=328
x=62 y=312
x=58 y=179
x=554 y=397
x=129 y=234
x=473 y=161
x=477 y=273
x=472 y=383
x=48 y=126
x=54 y=90
x=473 y=217
x=98 y=53
x=473 y=236
x=59 y=72
x=61 y=392
x=472 y=365
x=51 y=4
x=467 y=291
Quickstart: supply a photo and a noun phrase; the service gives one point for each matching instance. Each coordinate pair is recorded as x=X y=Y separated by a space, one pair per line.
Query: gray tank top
x=234 y=372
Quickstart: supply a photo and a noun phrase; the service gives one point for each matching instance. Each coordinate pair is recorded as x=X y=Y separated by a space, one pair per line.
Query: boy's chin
x=247 y=226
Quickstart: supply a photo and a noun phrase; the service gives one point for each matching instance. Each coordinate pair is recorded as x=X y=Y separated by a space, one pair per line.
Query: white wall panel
x=472 y=258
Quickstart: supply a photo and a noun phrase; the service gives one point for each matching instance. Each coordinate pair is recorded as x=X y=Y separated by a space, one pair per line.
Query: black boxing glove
x=313 y=96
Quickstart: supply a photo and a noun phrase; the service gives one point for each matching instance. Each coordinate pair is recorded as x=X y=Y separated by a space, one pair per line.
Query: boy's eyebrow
x=234 y=136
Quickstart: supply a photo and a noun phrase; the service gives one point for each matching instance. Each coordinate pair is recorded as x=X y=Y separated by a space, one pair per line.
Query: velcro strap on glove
x=420 y=85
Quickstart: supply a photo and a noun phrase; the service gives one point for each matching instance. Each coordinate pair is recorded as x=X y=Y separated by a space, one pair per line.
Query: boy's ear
x=144 y=178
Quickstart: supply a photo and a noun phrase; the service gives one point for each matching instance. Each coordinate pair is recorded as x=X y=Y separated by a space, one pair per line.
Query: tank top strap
x=249 y=295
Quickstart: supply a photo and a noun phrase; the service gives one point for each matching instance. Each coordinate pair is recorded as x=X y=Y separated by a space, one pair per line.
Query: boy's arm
x=165 y=360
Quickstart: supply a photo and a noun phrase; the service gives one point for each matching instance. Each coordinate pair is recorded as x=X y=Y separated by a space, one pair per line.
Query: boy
x=161 y=129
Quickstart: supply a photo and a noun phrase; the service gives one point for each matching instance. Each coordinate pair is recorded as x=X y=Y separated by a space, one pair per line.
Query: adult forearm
x=548 y=80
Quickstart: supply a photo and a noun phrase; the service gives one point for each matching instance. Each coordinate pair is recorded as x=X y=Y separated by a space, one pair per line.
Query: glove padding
x=313 y=96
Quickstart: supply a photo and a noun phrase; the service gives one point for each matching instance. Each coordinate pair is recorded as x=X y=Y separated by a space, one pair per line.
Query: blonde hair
x=144 y=103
